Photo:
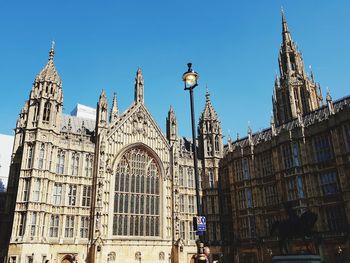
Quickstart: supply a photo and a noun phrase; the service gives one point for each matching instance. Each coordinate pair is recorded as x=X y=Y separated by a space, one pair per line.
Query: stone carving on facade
x=111 y=257
x=139 y=123
x=138 y=256
x=161 y=255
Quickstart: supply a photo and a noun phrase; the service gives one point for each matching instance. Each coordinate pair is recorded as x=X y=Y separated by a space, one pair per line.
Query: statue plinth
x=307 y=258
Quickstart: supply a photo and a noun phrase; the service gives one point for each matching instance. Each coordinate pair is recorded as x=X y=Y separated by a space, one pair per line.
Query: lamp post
x=190 y=78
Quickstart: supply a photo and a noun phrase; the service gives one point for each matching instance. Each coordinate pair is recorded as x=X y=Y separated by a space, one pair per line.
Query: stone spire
x=210 y=132
x=139 y=87
x=294 y=91
x=114 y=110
x=208 y=112
x=285 y=32
x=49 y=72
x=46 y=97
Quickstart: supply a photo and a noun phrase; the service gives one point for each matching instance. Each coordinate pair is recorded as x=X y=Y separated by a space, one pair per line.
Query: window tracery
x=136 y=200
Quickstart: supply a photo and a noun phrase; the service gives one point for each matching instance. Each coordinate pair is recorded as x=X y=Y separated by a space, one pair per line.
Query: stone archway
x=67 y=259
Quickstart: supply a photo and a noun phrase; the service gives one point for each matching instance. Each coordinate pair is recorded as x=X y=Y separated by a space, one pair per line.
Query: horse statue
x=295 y=226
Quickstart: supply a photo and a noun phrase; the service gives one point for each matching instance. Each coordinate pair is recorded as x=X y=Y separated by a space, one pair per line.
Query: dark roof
x=314 y=117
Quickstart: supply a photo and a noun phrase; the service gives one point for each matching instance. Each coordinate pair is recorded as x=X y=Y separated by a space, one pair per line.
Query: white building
x=6 y=144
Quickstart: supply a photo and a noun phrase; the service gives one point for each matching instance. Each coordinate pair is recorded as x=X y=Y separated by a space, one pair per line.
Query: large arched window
x=136 y=199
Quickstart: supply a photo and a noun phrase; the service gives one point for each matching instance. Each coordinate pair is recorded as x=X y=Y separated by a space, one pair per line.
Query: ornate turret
x=210 y=130
x=46 y=98
x=294 y=91
x=114 y=110
x=139 y=85
x=171 y=125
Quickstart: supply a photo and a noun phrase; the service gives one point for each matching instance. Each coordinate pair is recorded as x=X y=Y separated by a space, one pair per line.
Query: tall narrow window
x=47 y=111
x=191 y=204
x=69 y=229
x=248 y=192
x=84 y=226
x=88 y=165
x=291 y=189
x=182 y=229
x=26 y=189
x=36 y=190
x=72 y=195
x=300 y=187
x=296 y=161
x=30 y=157
x=287 y=156
x=191 y=231
x=56 y=194
x=217 y=146
x=54 y=224
x=75 y=164
x=238 y=169
x=86 y=200
x=246 y=175
x=181 y=176
x=182 y=203
x=36 y=112
x=323 y=148
x=33 y=226
x=211 y=179
x=41 y=156
x=190 y=177
x=60 y=162
x=22 y=223
x=328 y=182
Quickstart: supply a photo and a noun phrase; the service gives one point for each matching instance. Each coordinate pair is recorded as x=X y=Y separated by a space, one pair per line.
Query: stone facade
x=303 y=159
x=100 y=190
x=115 y=188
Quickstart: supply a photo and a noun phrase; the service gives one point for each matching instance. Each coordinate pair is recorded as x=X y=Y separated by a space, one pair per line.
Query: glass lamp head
x=190 y=77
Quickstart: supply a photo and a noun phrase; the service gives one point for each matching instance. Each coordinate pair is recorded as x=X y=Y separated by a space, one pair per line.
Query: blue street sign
x=201 y=224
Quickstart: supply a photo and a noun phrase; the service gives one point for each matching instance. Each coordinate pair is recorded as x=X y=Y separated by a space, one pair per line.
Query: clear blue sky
x=232 y=44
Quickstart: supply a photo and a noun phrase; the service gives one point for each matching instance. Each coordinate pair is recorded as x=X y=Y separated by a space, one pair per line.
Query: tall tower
x=211 y=151
x=294 y=92
x=31 y=164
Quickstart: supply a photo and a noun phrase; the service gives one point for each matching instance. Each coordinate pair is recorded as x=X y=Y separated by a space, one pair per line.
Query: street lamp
x=190 y=78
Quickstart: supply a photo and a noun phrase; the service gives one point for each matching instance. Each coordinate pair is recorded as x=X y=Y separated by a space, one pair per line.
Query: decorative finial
x=189 y=65
x=52 y=51
x=207 y=94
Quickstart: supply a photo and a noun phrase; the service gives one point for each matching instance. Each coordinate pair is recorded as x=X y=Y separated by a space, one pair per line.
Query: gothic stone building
x=303 y=159
x=117 y=189
x=100 y=190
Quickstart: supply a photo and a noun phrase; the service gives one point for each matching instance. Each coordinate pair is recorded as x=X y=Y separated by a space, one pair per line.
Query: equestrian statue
x=294 y=227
